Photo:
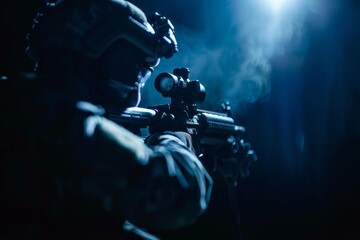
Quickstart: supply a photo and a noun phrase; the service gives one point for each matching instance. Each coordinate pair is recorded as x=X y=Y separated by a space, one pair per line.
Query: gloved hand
x=168 y=122
x=184 y=137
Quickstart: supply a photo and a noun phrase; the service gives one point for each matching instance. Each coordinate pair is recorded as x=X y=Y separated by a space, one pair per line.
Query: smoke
x=231 y=54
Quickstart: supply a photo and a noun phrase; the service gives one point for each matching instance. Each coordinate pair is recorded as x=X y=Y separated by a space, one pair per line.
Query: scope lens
x=166 y=84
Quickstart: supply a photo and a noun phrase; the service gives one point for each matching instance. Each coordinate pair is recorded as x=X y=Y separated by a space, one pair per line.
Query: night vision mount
x=166 y=44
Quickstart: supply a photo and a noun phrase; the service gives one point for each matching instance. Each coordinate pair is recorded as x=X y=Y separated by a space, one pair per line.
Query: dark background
x=296 y=89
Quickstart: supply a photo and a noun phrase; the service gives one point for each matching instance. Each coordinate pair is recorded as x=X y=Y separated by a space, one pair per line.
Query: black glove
x=162 y=123
x=168 y=122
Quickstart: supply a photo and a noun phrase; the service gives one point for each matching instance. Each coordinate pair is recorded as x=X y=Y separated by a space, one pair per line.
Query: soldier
x=68 y=170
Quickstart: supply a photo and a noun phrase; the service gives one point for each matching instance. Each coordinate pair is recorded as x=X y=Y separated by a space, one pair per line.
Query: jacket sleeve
x=158 y=185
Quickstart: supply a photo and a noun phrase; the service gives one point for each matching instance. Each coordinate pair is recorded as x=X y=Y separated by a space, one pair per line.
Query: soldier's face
x=123 y=75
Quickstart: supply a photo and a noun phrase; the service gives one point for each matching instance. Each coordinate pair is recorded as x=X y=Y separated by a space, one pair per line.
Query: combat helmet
x=89 y=27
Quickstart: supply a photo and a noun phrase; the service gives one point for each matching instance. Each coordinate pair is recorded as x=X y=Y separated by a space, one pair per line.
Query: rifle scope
x=178 y=87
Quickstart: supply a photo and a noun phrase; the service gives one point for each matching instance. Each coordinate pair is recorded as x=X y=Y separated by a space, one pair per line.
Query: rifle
x=214 y=132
